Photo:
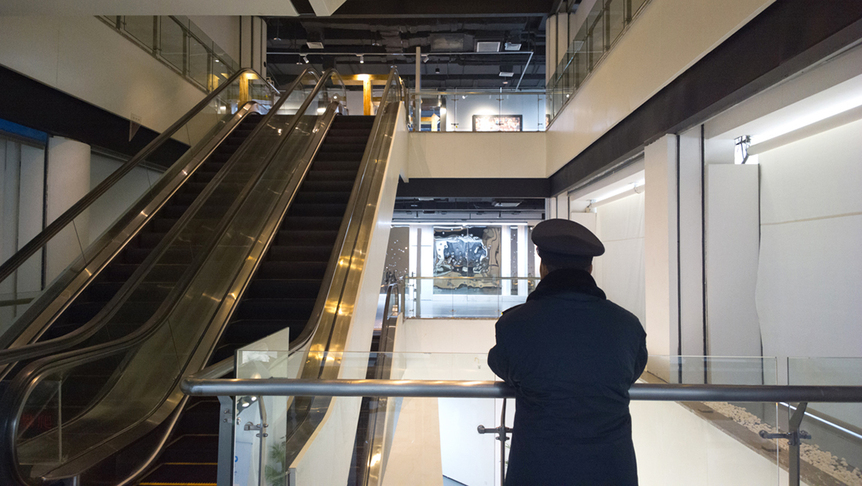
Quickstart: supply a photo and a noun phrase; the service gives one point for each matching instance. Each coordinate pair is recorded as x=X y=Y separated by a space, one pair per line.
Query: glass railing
x=603 y=26
x=180 y=44
x=130 y=371
x=683 y=434
x=463 y=296
x=835 y=446
x=483 y=111
x=67 y=240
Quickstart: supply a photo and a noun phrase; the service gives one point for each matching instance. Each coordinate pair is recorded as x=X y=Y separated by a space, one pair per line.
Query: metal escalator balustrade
x=196 y=128
x=282 y=293
x=90 y=379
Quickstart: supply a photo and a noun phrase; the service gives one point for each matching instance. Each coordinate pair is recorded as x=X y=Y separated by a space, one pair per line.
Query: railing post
x=502 y=435
x=793 y=436
x=225 y=441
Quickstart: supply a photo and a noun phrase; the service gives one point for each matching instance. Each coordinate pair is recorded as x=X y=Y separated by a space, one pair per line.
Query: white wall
x=732 y=239
x=460 y=110
x=476 y=155
x=223 y=30
x=86 y=58
x=811 y=228
x=620 y=271
x=666 y=39
x=120 y=197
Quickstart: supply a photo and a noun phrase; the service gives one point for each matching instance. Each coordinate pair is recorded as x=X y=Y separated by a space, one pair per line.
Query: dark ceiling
x=386 y=33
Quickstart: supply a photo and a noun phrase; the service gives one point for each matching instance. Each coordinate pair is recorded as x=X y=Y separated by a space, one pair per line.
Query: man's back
x=571 y=356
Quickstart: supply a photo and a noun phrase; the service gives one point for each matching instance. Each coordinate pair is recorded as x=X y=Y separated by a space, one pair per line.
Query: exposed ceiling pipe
x=524 y=70
x=397 y=54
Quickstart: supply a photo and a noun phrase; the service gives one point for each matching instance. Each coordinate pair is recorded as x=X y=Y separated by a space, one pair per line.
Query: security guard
x=571 y=356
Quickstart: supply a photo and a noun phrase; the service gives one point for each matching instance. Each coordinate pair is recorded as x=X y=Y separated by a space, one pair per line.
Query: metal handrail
x=25 y=382
x=498 y=389
x=73 y=212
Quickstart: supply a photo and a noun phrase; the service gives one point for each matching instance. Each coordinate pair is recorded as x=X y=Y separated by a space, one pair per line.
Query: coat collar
x=567 y=280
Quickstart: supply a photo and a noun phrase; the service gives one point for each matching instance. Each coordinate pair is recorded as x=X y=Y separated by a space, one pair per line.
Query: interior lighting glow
x=363 y=77
x=321 y=111
x=618 y=191
x=442 y=111
x=830 y=110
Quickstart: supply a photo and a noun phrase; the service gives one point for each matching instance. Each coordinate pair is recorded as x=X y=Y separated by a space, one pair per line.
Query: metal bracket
x=793 y=440
x=261 y=427
x=500 y=431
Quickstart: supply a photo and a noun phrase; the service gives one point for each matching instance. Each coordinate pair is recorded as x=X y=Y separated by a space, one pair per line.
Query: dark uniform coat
x=571 y=356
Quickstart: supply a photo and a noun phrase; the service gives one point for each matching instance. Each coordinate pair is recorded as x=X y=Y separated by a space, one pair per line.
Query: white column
x=732 y=246
x=506 y=258
x=523 y=254
x=67 y=181
x=660 y=244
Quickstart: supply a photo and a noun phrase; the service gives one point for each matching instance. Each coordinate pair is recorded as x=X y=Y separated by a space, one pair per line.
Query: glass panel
x=835 y=447
x=172 y=44
x=482 y=112
x=199 y=62
x=426 y=438
x=596 y=36
x=616 y=18
x=142 y=28
x=430 y=297
x=636 y=6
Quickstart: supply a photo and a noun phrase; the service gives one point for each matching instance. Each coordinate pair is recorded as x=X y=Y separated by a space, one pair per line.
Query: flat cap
x=566 y=238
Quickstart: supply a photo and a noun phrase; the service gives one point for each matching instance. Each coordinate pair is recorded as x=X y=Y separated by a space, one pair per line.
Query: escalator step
x=302 y=209
x=298 y=253
x=342 y=144
x=328 y=186
x=312 y=222
x=331 y=175
x=295 y=269
x=337 y=165
x=278 y=288
x=274 y=308
x=306 y=237
x=306 y=197
x=192 y=448
x=337 y=157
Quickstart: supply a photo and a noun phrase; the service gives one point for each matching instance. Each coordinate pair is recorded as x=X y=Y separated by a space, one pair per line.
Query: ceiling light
x=437 y=71
x=513 y=46
x=424 y=57
x=216 y=60
x=305 y=59
x=361 y=59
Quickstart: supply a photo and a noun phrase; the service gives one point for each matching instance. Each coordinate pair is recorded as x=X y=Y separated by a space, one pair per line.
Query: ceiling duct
x=450 y=42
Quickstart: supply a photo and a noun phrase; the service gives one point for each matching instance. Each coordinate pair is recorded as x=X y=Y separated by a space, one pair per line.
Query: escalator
x=109 y=281
x=282 y=292
x=133 y=396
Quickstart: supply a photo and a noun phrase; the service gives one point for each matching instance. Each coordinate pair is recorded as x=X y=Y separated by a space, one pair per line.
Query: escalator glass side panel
x=281 y=295
x=147 y=370
x=70 y=245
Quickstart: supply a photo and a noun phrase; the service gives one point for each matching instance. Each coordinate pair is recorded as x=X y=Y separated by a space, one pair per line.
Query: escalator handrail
x=37 y=349
x=40 y=240
x=309 y=331
x=22 y=386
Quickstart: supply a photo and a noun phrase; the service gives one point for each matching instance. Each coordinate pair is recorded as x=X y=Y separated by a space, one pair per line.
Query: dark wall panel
x=474 y=188
x=30 y=103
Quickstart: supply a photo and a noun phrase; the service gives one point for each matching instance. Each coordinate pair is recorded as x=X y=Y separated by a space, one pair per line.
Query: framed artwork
x=497 y=123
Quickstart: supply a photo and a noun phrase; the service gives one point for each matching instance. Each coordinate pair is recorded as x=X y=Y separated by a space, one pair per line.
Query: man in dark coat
x=571 y=356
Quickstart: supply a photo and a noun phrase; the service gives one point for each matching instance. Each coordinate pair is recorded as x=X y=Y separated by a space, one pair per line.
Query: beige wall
x=666 y=39
x=476 y=155
x=86 y=58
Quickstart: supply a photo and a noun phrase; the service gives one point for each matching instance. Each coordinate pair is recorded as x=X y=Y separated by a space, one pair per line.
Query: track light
x=361 y=59
x=305 y=59
x=437 y=71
